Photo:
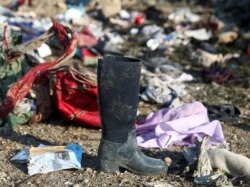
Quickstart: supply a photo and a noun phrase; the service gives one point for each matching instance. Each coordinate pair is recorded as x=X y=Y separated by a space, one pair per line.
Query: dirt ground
x=59 y=132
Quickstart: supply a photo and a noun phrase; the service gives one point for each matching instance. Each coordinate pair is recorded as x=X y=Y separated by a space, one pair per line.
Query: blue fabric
x=77 y=149
x=34 y=33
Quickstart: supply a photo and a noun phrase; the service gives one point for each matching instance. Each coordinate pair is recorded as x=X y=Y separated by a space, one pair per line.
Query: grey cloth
x=161 y=91
x=234 y=164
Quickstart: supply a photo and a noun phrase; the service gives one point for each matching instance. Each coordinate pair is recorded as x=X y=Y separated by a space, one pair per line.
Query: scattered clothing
x=206 y=59
x=160 y=91
x=200 y=34
x=86 y=38
x=163 y=89
x=214 y=163
x=163 y=65
x=19 y=77
x=183 y=15
x=218 y=74
x=227 y=37
x=222 y=112
x=178 y=126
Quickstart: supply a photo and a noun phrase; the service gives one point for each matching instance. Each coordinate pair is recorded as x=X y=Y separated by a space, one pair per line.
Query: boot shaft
x=118 y=88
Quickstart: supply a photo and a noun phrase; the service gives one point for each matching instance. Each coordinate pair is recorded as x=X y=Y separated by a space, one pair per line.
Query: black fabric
x=118 y=88
x=222 y=112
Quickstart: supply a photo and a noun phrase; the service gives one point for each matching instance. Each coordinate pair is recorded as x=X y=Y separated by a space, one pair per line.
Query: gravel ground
x=59 y=132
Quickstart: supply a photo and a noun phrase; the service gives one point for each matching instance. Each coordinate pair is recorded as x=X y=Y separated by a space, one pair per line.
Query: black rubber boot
x=118 y=87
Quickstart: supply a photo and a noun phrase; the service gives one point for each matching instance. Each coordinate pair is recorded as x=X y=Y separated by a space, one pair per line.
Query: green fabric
x=10 y=72
x=90 y=61
x=14 y=120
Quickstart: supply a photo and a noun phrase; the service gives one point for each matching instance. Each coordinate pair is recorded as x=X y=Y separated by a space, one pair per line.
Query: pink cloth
x=86 y=38
x=178 y=126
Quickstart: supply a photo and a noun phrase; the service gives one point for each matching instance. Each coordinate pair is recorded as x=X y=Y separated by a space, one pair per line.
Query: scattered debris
x=21 y=156
x=183 y=15
x=206 y=59
x=161 y=184
x=44 y=159
x=200 y=34
x=213 y=163
x=110 y=8
x=182 y=48
x=234 y=164
x=228 y=37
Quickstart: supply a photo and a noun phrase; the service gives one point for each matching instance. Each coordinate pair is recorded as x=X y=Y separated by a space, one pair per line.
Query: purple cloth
x=178 y=126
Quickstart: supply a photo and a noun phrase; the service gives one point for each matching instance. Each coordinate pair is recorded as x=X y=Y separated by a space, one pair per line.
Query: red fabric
x=21 y=2
x=76 y=99
x=86 y=52
x=86 y=38
x=139 y=19
x=21 y=88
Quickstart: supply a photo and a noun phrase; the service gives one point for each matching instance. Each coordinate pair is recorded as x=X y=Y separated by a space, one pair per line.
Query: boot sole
x=111 y=167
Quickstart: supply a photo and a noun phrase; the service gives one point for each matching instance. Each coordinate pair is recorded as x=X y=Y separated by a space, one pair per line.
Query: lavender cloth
x=178 y=126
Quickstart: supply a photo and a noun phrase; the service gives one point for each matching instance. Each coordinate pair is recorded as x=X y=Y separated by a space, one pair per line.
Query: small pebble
x=68 y=183
x=89 y=170
x=235 y=137
x=168 y=161
x=86 y=180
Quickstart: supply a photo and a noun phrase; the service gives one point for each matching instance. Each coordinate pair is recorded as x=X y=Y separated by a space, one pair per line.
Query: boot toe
x=153 y=168
x=144 y=165
x=156 y=166
x=161 y=166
